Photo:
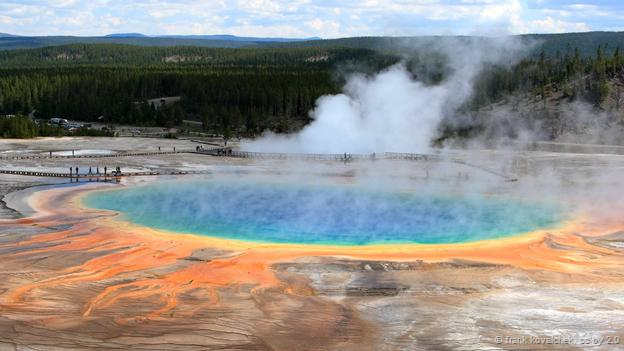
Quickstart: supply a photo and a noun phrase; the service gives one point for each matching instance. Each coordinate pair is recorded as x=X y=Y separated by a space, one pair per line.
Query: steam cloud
x=394 y=111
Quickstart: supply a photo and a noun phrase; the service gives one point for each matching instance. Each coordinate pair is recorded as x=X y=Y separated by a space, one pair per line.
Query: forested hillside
x=569 y=72
x=183 y=56
x=551 y=44
x=249 y=90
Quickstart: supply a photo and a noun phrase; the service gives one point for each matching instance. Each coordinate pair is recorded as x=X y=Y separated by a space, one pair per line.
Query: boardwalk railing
x=316 y=157
x=282 y=156
x=224 y=151
x=228 y=152
x=96 y=175
x=351 y=157
x=126 y=154
x=410 y=156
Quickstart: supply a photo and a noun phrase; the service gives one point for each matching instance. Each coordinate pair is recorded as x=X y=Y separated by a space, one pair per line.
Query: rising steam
x=393 y=110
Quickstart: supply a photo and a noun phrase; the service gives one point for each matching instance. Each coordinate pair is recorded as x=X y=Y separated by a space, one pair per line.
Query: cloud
x=6 y=20
x=550 y=25
x=324 y=18
x=319 y=25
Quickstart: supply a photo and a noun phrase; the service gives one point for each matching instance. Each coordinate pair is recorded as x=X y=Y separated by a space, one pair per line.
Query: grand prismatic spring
x=332 y=214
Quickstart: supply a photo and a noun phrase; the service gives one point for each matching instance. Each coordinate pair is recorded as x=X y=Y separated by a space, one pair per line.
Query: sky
x=307 y=18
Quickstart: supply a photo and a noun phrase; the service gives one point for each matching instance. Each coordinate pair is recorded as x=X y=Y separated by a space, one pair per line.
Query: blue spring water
x=336 y=215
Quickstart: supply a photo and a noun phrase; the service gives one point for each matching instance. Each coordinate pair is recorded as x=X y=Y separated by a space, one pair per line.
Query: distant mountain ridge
x=228 y=37
x=551 y=44
x=9 y=41
x=237 y=38
x=126 y=35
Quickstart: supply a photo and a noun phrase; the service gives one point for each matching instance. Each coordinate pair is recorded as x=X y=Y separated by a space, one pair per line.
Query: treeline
x=569 y=73
x=247 y=90
x=551 y=43
x=23 y=128
x=250 y=90
x=249 y=98
x=182 y=56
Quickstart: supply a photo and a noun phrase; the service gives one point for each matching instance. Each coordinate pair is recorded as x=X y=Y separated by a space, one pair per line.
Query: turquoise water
x=334 y=214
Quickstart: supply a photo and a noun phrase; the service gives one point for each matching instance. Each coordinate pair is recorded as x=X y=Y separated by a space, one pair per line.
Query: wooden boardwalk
x=316 y=157
x=229 y=152
x=226 y=151
x=128 y=154
x=95 y=175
